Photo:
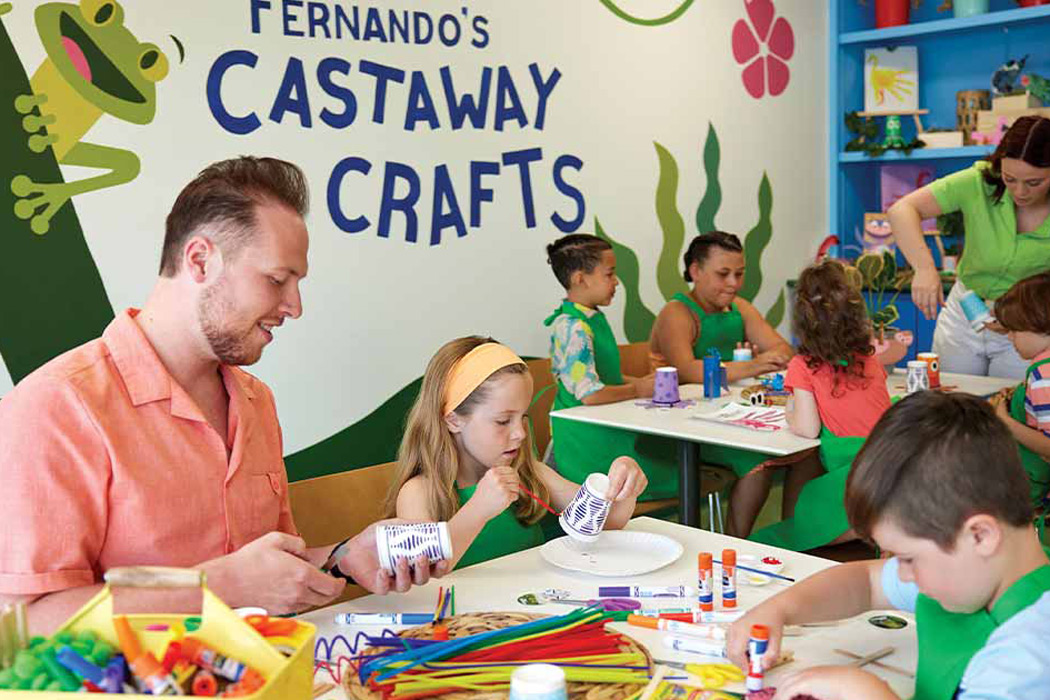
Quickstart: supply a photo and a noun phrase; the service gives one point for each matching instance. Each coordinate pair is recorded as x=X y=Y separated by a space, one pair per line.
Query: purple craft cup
x=665 y=386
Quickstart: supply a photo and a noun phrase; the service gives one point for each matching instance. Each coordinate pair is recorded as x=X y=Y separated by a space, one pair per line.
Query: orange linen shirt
x=106 y=461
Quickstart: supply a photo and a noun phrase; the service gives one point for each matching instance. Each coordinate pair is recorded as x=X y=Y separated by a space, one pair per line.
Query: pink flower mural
x=765 y=46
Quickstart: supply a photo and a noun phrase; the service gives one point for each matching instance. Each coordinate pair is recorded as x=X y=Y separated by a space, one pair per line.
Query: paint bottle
x=729 y=578
x=197 y=652
x=757 y=645
x=704 y=581
x=538 y=682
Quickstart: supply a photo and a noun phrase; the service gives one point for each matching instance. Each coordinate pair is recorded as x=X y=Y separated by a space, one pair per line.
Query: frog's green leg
x=32 y=123
x=38 y=202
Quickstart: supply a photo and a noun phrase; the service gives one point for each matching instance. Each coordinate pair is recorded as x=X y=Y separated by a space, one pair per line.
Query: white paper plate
x=617 y=553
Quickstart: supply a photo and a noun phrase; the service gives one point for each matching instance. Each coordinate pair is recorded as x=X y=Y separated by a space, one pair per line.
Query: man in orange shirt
x=150 y=446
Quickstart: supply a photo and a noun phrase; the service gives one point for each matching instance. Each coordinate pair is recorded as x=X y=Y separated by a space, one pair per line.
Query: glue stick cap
x=705 y=560
x=728 y=557
x=759 y=632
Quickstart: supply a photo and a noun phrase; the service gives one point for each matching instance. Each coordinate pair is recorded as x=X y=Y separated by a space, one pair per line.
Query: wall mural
x=69 y=134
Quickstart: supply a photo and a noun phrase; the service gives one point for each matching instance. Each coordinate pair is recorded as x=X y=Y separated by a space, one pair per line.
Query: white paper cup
x=918 y=378
x=411 y=541
x=584 y=517
x=538 y=682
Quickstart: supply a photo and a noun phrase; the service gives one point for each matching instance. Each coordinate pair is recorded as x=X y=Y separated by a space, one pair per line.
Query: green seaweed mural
x=638 y=319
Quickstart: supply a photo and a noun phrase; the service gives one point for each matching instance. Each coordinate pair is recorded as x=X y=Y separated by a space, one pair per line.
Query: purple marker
x=645 y=591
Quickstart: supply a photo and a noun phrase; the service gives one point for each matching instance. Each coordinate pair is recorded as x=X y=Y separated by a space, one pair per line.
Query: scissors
x=711 y=676
x=558 y=595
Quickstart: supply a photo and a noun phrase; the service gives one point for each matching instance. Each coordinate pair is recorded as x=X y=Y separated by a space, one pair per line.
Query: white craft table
x=496 y=584
x=691 y=434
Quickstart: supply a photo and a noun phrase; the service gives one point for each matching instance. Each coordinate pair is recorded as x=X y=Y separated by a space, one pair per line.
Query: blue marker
x=79 y=665
x=383 y=618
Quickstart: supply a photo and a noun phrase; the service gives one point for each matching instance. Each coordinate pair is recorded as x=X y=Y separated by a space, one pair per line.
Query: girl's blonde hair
x=429 y=450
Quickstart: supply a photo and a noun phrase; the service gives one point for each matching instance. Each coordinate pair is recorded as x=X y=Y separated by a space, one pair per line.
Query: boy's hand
x=497 y=489
x=834 y=683
x=740 y=632
x=643 y=386
x=626 y=480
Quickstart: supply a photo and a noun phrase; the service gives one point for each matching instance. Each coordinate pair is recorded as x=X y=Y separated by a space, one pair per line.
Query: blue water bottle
x=712 y=374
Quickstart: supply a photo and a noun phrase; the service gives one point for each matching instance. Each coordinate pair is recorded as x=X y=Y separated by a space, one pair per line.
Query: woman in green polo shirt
x=1005 y=201
x=711 y=316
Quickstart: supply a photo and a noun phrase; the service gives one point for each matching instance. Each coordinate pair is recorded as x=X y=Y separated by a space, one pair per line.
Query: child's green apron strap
x=720 y=331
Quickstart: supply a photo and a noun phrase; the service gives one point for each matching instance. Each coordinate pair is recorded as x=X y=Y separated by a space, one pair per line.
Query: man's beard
x=230 y=346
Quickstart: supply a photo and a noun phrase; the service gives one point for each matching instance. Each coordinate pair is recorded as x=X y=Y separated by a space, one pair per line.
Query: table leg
x=688 y=484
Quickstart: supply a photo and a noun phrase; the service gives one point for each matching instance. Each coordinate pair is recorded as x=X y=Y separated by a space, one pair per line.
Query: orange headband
x=473 y=369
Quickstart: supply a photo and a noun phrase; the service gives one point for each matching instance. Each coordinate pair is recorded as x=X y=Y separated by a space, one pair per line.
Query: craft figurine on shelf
x=991 y=138
x=1038 y=86
x=866 y=132
x=1005 y=78
x=894 y=137
x=878 y=236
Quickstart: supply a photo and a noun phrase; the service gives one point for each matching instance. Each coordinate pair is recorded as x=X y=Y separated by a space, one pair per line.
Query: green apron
x=581 y=449
x=1038 y=469
x=504 y=534
x=947 y=641
x=721 y=332
x=820 y=515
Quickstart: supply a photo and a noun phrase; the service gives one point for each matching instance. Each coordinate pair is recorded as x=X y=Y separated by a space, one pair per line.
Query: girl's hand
x=496 y=490
x=1002 y=406
x=626 y=480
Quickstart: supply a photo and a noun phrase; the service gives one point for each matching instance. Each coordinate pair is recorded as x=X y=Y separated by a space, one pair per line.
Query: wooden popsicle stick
x=879 y=664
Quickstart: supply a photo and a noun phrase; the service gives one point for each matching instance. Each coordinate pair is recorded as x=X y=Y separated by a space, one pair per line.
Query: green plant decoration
x=876 y=274
x=638 y=318
x=865 y=137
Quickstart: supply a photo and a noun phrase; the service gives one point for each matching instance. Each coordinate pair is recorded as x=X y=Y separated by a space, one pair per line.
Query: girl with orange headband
x=467 y=458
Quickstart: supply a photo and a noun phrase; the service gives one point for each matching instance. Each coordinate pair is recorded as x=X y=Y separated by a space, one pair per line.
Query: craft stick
x=453 y=600
x=879 y=664
x=873 y=656
x=537 y=499
x=654 y=683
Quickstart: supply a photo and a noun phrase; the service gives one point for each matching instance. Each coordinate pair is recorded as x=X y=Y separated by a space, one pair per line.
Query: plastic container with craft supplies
x=221 y=631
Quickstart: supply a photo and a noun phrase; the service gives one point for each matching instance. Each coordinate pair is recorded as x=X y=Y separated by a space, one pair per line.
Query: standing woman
x=711 y=316
x=1005 y=201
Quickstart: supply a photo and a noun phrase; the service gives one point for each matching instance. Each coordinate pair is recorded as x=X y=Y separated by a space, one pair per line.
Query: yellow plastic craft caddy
x=221 y=628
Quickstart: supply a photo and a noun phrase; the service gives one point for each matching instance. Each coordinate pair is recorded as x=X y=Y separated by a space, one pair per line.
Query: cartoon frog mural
x=94 y=66
x=52 y=297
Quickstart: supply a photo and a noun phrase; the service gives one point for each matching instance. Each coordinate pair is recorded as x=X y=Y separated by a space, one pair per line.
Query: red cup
x=933 y=367
x=891 y=13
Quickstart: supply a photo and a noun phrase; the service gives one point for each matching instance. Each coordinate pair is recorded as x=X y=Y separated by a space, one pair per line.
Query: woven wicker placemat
x=475 y=623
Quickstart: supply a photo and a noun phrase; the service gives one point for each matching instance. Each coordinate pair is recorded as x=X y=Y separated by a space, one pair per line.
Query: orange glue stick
x=704 y=582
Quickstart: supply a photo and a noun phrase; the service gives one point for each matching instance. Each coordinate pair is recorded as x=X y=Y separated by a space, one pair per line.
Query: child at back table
x=940 y=486
x=838 y=394
x=467 y=458
x=1024 y=311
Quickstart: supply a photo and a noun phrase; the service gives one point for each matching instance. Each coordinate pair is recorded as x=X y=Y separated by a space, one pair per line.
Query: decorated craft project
x=665 y=391
x=584 y=517
x=878 y=236
x=891 y=79
x=764 y=418
x=411 y=541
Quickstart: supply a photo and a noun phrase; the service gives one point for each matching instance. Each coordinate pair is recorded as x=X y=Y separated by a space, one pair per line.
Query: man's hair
x=221 y=201
x=932 y=461
x=700 y=247
x=1026 y=305
x=577 y=251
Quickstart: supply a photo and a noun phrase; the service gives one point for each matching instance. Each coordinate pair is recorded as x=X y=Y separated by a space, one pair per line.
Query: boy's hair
x=577 y=251
x=429 y=450
x=221 y=201
x=932 y=461
x=1028 y=140
x=831 y=324
x=1026 y=305
x=700 y=247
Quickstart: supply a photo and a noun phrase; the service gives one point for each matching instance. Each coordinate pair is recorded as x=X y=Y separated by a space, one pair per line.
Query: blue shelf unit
x=954 y=54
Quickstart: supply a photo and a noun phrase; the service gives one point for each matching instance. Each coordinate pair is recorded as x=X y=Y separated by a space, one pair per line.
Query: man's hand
x=362 y=562
x=272 y=572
